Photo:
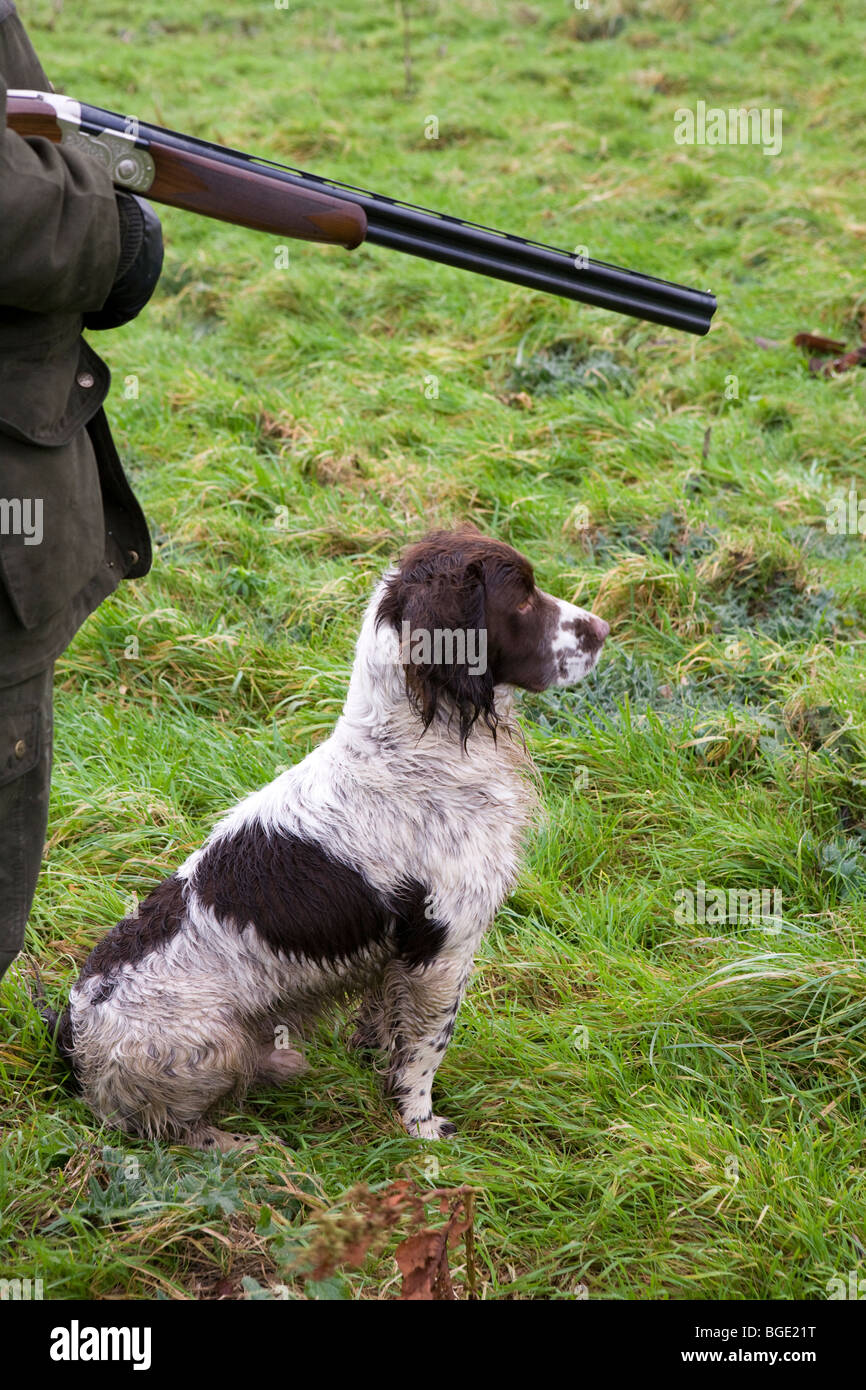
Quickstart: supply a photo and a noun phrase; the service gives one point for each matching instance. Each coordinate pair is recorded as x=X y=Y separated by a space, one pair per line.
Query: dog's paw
x=211 y=1139
x=434 y=1127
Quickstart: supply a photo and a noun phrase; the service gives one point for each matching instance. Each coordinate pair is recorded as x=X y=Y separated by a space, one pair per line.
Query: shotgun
x=214 y=181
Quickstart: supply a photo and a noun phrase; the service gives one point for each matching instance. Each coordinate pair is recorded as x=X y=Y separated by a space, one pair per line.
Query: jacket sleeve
x=59 y=230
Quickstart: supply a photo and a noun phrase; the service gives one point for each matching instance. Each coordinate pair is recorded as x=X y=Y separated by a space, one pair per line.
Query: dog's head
x=470 y=617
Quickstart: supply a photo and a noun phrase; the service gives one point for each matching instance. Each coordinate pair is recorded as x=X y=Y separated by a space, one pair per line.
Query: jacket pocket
x=51 y=382
x=52 y=527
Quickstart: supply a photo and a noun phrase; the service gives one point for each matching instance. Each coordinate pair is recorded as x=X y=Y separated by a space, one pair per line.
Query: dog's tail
x=56 y=1024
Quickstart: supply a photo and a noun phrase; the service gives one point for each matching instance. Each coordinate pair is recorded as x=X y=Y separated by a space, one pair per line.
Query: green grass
x=647 y=1108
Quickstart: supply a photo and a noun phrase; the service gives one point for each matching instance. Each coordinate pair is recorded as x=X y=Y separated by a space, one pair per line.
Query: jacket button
x=20 y=748
x=85 y=379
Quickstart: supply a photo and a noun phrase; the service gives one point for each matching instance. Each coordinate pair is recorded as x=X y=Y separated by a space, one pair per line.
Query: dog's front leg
x=420 y=1007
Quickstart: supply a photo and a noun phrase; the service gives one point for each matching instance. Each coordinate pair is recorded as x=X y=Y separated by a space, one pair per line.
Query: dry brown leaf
x=838 y=365
x=521 y=399
x=815 y=343
x=423 y=1262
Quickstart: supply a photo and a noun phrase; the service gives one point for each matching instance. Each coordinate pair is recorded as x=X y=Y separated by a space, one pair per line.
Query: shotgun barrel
x=217 y=181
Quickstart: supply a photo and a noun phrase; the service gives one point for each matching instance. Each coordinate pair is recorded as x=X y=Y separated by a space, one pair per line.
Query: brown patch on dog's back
x=158 y=919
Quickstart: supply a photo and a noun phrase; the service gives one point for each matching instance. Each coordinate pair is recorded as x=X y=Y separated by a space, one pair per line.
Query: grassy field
x=648 y=1107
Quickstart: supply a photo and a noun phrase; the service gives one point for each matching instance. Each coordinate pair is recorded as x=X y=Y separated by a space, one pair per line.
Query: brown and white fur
x=371 y=869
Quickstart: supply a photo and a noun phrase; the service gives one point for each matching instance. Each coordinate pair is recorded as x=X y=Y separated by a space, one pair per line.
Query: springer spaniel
x=372 y=868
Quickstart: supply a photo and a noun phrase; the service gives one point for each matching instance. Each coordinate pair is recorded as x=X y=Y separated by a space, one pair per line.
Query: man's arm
x=59 y=232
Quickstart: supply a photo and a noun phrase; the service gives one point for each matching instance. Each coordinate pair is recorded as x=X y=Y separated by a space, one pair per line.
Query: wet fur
x=369 y=871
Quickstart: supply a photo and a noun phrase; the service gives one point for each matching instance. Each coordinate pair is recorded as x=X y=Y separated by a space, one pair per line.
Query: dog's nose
x=601 y=627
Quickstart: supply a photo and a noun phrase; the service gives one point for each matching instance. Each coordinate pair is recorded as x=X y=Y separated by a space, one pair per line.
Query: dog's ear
x=438 y=609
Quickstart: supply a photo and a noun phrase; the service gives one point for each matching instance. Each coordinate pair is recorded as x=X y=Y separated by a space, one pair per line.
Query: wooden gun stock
x=195 y=181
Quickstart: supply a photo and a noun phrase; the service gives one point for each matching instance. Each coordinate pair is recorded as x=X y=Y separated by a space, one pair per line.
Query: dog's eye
x=525 y=606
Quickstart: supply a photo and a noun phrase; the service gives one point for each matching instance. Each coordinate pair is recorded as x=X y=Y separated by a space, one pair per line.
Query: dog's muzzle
x=577 y=643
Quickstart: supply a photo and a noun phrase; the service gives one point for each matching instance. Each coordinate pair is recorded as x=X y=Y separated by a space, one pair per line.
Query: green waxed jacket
x=70 y=527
